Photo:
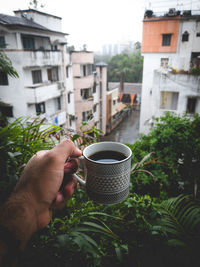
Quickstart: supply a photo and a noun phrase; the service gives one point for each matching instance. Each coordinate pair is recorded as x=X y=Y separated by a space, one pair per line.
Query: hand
x=29 y=207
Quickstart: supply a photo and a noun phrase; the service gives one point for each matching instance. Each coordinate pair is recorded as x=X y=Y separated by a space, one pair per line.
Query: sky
x=99 y=22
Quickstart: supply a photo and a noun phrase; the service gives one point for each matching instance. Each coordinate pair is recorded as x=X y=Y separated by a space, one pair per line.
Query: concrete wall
x=48 y=21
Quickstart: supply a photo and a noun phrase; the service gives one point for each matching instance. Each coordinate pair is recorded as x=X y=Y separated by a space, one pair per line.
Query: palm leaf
x=180 y=220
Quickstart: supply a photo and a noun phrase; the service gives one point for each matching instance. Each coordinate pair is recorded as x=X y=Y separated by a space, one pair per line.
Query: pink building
x=89 y=90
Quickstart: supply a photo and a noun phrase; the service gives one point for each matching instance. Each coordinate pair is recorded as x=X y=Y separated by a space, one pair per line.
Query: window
x=86 y=93
x=87 y=115
x=6 y=110
x=59 y=103
x=94 y=108
x=28 y=42
x=100 y=89
x=84 y=70
x=40 y=108
x=68 y=97
x=67 y=72
x=3 y=78
x=164 y=62
x=169 y=100
x=53 y=74
x=37 y=76
x=70 y=122
x=191 y=105
x=2 y=42
x=185 y=37
x=166 y=39
x=94 y=88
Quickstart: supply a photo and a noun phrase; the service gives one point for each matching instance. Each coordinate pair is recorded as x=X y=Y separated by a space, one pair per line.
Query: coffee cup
x=108 y=166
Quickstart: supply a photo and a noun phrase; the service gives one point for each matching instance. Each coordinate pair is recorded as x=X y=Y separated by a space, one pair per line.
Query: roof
x=36 y=11
x=103 y=64
x=129 y=88
x=8 y=20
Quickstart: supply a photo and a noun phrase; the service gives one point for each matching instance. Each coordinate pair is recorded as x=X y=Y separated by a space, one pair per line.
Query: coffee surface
x=107 y=156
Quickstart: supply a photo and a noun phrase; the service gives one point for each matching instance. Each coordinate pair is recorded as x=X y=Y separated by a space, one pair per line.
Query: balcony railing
x=33 y=58
x=42 y=92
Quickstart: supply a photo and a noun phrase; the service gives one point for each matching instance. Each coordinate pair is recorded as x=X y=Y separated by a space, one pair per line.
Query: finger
x=62 y=197
x=71 y=166
x=67 y=148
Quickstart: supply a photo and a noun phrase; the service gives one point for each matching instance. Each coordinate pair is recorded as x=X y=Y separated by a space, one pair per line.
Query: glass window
x=37 y=76
x=59 y=103
x=185 y=37
x=3 y=78
x=164 y=62
x=6 y=110
x=2 y=42
x=169 y=100
x=191 y=105
x=166 y=39
x=67 y=72
x=40 y=108
x=28 y=42
x=68 y=96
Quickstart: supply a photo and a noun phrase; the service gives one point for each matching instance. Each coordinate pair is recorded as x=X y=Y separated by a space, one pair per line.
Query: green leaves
x=6 y=65
x=180 y=221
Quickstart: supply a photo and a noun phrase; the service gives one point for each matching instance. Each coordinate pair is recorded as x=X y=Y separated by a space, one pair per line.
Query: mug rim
x=108 y=163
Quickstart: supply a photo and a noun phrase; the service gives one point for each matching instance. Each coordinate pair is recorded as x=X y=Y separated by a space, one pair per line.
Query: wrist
x=19 y=217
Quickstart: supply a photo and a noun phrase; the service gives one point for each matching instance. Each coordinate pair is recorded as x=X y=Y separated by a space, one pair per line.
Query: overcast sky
x=98 y=22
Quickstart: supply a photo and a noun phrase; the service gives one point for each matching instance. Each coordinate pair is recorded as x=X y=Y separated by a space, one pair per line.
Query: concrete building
x=89 y=90
x=171 y=49
x=34 y=42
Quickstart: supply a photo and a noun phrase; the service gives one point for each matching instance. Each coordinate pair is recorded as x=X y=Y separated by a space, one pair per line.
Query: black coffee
x=107 y=156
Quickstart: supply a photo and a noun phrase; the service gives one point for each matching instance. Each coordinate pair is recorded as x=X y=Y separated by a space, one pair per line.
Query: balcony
x=42 y=92
x=84 y=82
x=40 y=58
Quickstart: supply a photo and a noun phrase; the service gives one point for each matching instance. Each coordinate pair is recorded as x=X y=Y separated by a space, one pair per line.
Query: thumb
x=67 y=149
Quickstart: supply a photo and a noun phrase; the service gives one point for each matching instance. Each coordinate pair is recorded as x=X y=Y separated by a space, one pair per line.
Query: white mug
x=107 y=182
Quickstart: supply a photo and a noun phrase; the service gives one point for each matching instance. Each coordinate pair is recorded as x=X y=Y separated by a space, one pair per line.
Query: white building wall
x=48 y=21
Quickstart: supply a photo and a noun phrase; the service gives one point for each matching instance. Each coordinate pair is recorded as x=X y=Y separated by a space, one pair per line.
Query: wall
x=46 y=20
x=152 y=34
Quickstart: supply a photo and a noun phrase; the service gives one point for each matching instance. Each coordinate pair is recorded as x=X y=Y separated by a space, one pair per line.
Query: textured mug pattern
x=108 y=183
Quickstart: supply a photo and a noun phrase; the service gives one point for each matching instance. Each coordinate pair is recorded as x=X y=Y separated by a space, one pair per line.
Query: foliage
x=140 y=231
x=35 y=4
x=19 y=141
x=126 y=66
x=180 y=221
x=175 y=141
x=195 y=71
x=6 y=65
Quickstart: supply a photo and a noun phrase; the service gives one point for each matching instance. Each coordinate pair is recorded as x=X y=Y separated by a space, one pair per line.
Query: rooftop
x=172 y=14
x=129 y=88
x=9 y=21
x=36 y=11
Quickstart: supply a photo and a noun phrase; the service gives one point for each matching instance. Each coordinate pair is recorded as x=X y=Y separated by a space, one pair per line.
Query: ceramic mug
x=106 y=182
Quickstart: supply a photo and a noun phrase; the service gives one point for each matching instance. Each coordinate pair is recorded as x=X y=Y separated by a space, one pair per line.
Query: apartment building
x=34 y=42
x=89 y=90
x=171 y=50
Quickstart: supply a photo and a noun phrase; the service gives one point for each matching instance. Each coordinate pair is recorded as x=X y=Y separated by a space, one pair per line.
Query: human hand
x=37 y=191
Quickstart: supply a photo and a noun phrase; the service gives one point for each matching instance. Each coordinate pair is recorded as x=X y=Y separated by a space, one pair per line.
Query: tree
x=35 y=4
x=126 y=67
x=175 y=141
x=6 y=65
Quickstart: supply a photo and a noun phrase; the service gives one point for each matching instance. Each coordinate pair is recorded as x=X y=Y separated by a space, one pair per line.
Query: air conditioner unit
x=172 y=12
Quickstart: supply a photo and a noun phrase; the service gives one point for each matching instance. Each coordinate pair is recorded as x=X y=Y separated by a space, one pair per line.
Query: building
x=171 y=50
x=34 y=42
x=89 y=90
